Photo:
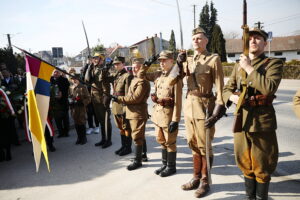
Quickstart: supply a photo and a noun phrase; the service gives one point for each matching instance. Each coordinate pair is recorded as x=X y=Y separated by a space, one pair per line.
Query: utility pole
x=9 y=42
x=259 y=24
x=181 y=36
x=194 y=6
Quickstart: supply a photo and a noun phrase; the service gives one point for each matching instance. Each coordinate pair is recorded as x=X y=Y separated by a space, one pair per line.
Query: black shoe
x=83 y=142
x=52 y=148
x=125 y=151
x=119 y=150
x=102 y=142
x=168 y=172
x=107 y=144
x=159 y=170
x=8 y=157
x=77 y=141
x=134 y=165
x=144 y=157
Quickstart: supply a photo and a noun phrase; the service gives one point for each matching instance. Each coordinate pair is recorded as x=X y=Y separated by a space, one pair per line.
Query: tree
x=204 y=18
x=218 y=43
x=9 y=59
x=99 y=48
x=208 y=21
x=172 y=42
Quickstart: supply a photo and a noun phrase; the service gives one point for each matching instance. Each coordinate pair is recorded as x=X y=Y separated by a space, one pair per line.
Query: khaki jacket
x=163 y=115
x=263 y=80
x=99 y=80
x=202 y=73
x=136 y=99
x=296 y=102
x=120 y=88
x=78 y=112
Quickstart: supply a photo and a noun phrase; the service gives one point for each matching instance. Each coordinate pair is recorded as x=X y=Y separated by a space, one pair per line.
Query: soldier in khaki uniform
x=201 y=108
x=166 y=111
x=120 y=88
x=97 y=74
x=255 y=146
x=136 y=111
x=79 y=99
x=296 y=103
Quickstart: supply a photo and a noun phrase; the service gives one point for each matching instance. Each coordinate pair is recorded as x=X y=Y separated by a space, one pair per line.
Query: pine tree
x=172 y=42
x=218 y=43
x=204 y=18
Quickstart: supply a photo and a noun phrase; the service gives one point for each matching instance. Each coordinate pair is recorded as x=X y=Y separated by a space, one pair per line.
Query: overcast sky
x=42 y=24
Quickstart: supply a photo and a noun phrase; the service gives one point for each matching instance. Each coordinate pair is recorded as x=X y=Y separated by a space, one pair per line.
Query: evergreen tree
x=172 y=42
x=218 y=43
x=99 y=48
x=213 y=17
x=205 y=18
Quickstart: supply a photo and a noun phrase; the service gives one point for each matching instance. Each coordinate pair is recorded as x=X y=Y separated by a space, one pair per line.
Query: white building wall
x=289 y=55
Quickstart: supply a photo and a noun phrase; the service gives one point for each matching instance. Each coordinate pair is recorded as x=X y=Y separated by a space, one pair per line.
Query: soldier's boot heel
x=250 y=185
x=123 y=138
x=203 y=188
x=171 y=165
x=127 y=149
x=191 y=185
x=164 y=155
x=137 y=162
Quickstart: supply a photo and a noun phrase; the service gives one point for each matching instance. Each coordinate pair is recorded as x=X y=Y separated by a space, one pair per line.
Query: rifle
x=87 y=41
x=237 y=126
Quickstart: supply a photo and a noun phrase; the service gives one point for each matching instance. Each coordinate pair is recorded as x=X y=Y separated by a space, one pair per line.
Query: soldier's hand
x=114 y=98
x=245 y=64
x=150 y=61
x=173 y=126
x=218 y=113
x=181 y=58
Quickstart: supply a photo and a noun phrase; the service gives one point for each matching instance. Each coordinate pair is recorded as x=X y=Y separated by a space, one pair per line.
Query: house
x=286 y=48
x=145 y=47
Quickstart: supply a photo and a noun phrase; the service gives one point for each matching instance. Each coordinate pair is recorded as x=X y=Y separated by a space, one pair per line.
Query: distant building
x=145 y=46
x=45 y=55
x=286 y=48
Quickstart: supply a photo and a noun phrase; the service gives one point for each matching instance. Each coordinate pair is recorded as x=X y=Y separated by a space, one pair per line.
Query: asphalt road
x=86 y=172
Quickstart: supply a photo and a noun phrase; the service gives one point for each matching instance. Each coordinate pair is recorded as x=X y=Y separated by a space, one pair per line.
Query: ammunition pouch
x=260 y=100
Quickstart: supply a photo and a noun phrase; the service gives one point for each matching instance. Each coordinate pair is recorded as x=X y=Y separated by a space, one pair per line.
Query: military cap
x=138 y=60
x=97 y=54
x=119 y=59
x=198 y=30
x=259 y=32
x=166 y=55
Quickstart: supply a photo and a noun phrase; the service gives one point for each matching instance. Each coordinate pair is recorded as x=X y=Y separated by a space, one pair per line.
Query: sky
x=37 y=25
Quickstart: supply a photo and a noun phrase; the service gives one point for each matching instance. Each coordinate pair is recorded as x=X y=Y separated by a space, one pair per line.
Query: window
x=231 y=55
x=279 y=53
x=298 y=52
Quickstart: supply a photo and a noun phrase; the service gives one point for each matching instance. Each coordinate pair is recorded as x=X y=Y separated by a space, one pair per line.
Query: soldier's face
x=119 y=66
x=199 y=42
x=136 y=68
x=75 y=81
x=56 y=74
x=257 y=44
x=97 y=60
x=166 y=64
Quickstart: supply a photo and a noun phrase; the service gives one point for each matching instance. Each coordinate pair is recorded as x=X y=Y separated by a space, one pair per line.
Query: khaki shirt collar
x=202 y=55
x=258 y=59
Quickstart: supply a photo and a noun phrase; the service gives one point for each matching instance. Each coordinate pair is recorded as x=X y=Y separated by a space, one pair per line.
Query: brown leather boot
x=195 y=181
x=203 y=188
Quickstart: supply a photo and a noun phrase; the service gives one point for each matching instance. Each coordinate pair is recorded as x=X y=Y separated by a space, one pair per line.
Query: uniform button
x=250 y=83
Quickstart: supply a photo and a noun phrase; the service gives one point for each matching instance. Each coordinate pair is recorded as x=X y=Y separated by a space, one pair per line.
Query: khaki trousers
x=138 y=130
x=123 y=124
x=165 y=139
x=196 y=135
x=256 y=154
